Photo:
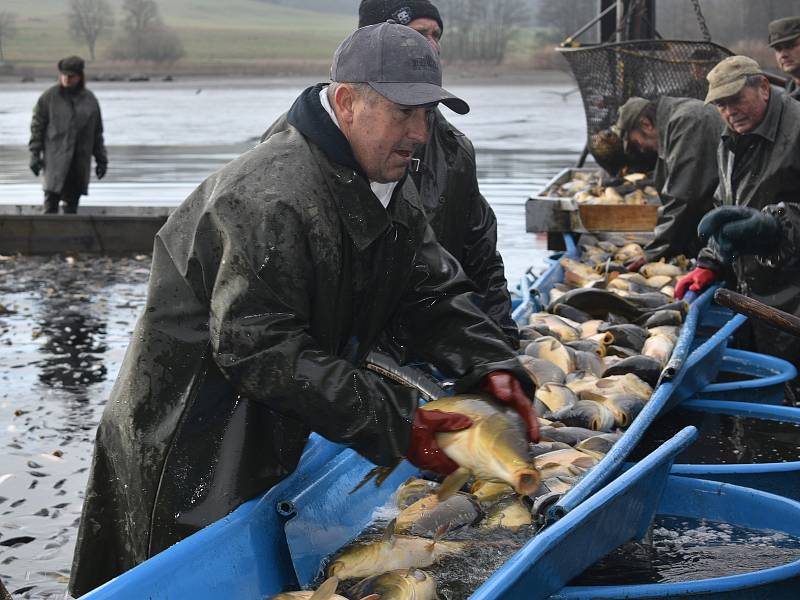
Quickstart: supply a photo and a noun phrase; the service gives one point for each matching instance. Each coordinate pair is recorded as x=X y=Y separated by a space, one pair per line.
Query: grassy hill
x=214 y=33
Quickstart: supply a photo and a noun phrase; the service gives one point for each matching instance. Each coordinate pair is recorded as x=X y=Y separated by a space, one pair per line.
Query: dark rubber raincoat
x=269 y=285
x=759 y=169
x=685 y=174
x=462 y=219
x=68 y=129
x=792 y=89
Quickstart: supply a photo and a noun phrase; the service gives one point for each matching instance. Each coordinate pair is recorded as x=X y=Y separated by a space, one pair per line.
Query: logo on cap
x=426 y=63
x=403 y=15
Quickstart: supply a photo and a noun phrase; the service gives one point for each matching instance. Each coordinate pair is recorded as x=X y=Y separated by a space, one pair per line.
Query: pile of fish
x=595 y=356
x=587 y=187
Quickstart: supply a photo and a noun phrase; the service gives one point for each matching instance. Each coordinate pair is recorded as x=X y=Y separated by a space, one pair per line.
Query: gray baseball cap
x=784 y=30
x=729 y=76
x=397 y=62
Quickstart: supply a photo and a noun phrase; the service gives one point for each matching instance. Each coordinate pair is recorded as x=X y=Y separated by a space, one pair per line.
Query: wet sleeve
x=39 y=123
x=788 y=254
x=281 y=124
x=99 y=147
x=483 y=263
x=688 y=191
x=441 y=323
x=261 y=336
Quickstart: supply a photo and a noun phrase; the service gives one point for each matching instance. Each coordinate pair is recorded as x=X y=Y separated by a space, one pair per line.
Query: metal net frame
x=608 y=74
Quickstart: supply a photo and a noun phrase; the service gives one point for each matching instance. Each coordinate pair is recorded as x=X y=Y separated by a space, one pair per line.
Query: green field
x=212 y=31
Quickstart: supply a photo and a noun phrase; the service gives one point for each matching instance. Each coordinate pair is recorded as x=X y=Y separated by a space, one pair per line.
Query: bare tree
x=8 y=29
x=481 y=29
x=88 y=20
x=141 y=17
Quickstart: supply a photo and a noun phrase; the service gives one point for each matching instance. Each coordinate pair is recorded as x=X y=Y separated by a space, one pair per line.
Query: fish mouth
x=336 y=567
x=527 y=482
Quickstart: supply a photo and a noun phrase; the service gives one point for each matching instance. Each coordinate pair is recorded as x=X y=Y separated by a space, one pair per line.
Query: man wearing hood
x=66 y=131
x=269 y=286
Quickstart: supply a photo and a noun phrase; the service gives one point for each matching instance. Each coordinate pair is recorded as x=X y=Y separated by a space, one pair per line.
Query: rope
x=701 y=22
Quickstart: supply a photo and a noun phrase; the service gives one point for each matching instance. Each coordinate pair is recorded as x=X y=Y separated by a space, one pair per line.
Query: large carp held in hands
x=494 y=448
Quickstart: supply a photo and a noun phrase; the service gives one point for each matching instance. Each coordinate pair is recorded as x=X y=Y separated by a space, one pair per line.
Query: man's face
x=68 y=80
x=744 y=111
x=644 y=138
x=429 y=29
x=385 y=135
x=787 y=55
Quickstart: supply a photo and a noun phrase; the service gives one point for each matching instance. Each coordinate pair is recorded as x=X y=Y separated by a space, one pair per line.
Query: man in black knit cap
x=460 y=216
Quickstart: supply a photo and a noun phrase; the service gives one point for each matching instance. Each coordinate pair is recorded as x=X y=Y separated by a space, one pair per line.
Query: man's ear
x=344 y=98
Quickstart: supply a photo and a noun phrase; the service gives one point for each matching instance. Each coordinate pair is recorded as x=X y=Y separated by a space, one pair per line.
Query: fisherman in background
x=784 y=39
x=752 y=238
x=462 y=219
x=683 y=134
x=66 y=131
x=269 y=285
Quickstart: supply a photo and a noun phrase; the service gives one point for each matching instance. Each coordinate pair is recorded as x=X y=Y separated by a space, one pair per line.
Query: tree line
x=143 y=36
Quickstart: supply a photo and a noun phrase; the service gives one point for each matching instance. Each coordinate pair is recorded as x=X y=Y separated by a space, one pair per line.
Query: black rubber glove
x=36 y=164
x=100 y=170
x=740 y=230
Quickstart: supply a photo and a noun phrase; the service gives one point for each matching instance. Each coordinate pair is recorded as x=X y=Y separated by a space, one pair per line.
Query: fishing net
x=609 y=74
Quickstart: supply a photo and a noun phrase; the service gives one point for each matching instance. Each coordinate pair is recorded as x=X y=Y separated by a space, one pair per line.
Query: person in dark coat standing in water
x=446 y=178
x=751 y=237
x=269 y=286
x=66 y=131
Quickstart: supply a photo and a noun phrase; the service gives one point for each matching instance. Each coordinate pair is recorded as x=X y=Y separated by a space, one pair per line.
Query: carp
x=625 y=407
x=555 y=397
x=545 y=447
x=428 y=514
x=598 y=303
x=567 y=463
x=659 y=346
x=326 y=591
x=664 y=317
x=571 y=313
x=541 y=371
x=589 y=328
x=579 y=274
x=391 y=552
x=587 y=345
x=586 y=414
x=629 y=336
x=402 y=584
x=413 y=489
x=549 y=348
x=511 y=513
x=598 y=445
x=660 y=268
x=495 y=447
x=489 y=492
x=646 y=368
x=564 y=329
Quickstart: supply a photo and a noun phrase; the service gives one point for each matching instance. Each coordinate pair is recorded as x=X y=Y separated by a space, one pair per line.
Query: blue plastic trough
x=778 y=478
x=699 y=499
x=762 y=380
x=270 y=544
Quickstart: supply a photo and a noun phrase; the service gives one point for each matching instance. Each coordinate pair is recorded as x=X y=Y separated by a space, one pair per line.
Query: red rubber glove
x=695 y=280
x=423 y=451
x=636 y=265
x=506 y=388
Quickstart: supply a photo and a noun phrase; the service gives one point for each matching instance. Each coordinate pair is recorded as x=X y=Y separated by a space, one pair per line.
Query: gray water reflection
x=62 y=343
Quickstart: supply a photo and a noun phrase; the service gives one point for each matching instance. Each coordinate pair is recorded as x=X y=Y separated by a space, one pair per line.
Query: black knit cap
x=372 y=12
x=71 y=65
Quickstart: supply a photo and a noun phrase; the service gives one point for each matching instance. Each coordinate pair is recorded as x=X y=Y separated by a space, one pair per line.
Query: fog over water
x=65 y=323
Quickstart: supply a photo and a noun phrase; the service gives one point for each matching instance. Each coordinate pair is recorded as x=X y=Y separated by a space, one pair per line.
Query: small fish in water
x=495 y=447
x=327 y=591
x=429 y=514
x=403 y=584
x=391 y=552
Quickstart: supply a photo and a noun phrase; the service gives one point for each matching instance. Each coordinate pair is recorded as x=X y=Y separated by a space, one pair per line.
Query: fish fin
x=326 y=590
x=452 y=483
x=440 y=532
x=379 y=474
x=388 y=534
x=371 y=597
x=548 y=465
x=604 y=383
x=584 y=463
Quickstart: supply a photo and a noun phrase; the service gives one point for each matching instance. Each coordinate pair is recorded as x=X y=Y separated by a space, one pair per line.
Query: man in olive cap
x=753 y=237
x=683 y=134
x=269 y=286
x=784 y=39
x=66 y=131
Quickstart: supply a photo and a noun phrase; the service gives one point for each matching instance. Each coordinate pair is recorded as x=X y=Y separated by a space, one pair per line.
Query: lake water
x=65 y=323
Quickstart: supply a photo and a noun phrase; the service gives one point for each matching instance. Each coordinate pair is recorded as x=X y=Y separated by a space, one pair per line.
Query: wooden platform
x=104 y=230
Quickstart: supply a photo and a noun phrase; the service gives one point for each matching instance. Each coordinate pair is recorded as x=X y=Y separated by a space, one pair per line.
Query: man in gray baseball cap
x=269 y=286
x=784 y=39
